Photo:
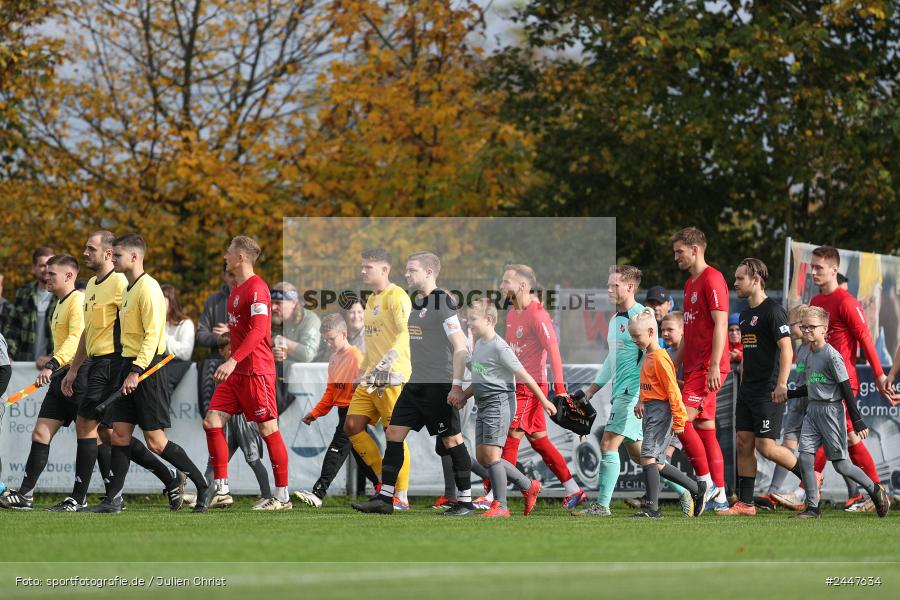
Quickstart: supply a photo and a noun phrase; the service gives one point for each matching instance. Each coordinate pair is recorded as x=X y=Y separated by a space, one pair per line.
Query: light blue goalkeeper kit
x=622 y=368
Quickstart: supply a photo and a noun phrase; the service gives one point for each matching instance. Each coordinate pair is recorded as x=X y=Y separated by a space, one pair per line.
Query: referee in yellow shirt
x=56 y=411
x=143 y=336
x=100 y=353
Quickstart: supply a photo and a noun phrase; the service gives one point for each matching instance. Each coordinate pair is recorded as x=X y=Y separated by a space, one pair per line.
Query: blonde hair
x=628 y=273
x=817 y=313
x=485 y=308
x=248 y=247
x=675 y=315
x=796 y=313
x=645 y=319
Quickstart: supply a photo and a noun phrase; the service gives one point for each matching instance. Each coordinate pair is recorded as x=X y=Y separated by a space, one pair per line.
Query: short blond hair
x=816 y=313
x=629 y=273
x=796 y=313
x=643 y=319
x=485 y=308
x=247 y=246
x=332 y=322
x=675 y=315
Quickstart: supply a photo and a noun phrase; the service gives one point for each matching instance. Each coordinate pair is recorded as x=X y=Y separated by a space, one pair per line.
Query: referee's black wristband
x=137 y=369
x=51 y=364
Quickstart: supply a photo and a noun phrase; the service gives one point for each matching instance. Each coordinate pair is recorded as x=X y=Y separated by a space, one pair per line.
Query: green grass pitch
x=337 y=553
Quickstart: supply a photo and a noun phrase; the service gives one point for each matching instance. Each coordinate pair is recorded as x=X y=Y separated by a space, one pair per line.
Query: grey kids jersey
x=493 y=365
x=822 y=372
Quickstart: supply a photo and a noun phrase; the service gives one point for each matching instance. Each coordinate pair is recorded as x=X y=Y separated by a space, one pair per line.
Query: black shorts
x=57 y=406
x=426 y=404
x=759 y=415
x=101 y=376
x=148 y=406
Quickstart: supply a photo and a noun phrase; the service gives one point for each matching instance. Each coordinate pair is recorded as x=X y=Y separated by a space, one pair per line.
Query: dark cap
x=657 y=294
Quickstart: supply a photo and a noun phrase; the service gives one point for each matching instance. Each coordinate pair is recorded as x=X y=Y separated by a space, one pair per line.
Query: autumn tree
x=27 y=63
x=403 y=125
x=751 y=120
x=170 y=120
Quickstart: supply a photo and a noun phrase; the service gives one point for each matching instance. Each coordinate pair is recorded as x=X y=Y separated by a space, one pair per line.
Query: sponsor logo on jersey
x=622 y=328
x=754 y=320
x=258 y=308
x=785 y=329
x=715 y=298
x=422 y=313
x=375 y=310
x=546 y=331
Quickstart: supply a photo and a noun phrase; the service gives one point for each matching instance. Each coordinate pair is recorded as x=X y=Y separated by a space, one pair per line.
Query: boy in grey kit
x=825 y=382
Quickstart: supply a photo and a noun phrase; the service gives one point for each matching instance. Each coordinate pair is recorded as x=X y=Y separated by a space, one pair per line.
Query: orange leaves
x=405 y=128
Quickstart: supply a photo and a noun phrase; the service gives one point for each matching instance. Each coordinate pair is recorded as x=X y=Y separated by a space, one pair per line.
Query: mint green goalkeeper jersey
x=622 y=366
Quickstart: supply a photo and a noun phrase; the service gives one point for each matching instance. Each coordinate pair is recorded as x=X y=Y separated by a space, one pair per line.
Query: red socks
x=218 y=451
x=714 y=458
x=821 y=460
x=859 y=456
x=693 y=447
x=552 y=457
x=279 y=457
x=511 y=450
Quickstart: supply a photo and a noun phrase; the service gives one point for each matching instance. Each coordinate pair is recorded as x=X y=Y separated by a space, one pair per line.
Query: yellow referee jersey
x=143 y=317
x=102 y=301
x=386 y=328
x=66 y=326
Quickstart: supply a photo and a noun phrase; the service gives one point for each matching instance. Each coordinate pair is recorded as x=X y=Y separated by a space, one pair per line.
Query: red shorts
x=252 y=395
x=695 y=394
x=529 y=411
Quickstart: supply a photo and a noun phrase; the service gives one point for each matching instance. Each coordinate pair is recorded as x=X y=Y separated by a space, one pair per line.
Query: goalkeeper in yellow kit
x=386 y=366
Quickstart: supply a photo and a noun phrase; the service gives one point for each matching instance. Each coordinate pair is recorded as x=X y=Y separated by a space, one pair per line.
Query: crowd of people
x=111 y=350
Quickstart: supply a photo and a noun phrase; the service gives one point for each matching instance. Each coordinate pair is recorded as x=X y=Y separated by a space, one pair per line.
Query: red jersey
x=707 y=293
x=530 y=334
x=847 y=331
x=250 y=325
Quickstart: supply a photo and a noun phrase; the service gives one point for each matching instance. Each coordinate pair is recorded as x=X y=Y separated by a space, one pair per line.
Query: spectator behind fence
x=214 y=319
x=295 y=338
x=295 y=330
x=28 y=325
x=353 y=311
x=179 y=337
x=5 y=307
x=211 y=330
x=662 y=303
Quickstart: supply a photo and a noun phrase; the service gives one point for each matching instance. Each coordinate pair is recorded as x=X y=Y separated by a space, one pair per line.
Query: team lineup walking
x=418 y=356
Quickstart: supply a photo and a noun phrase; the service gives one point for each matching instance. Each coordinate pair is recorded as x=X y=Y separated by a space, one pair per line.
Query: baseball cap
x=656 y=294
